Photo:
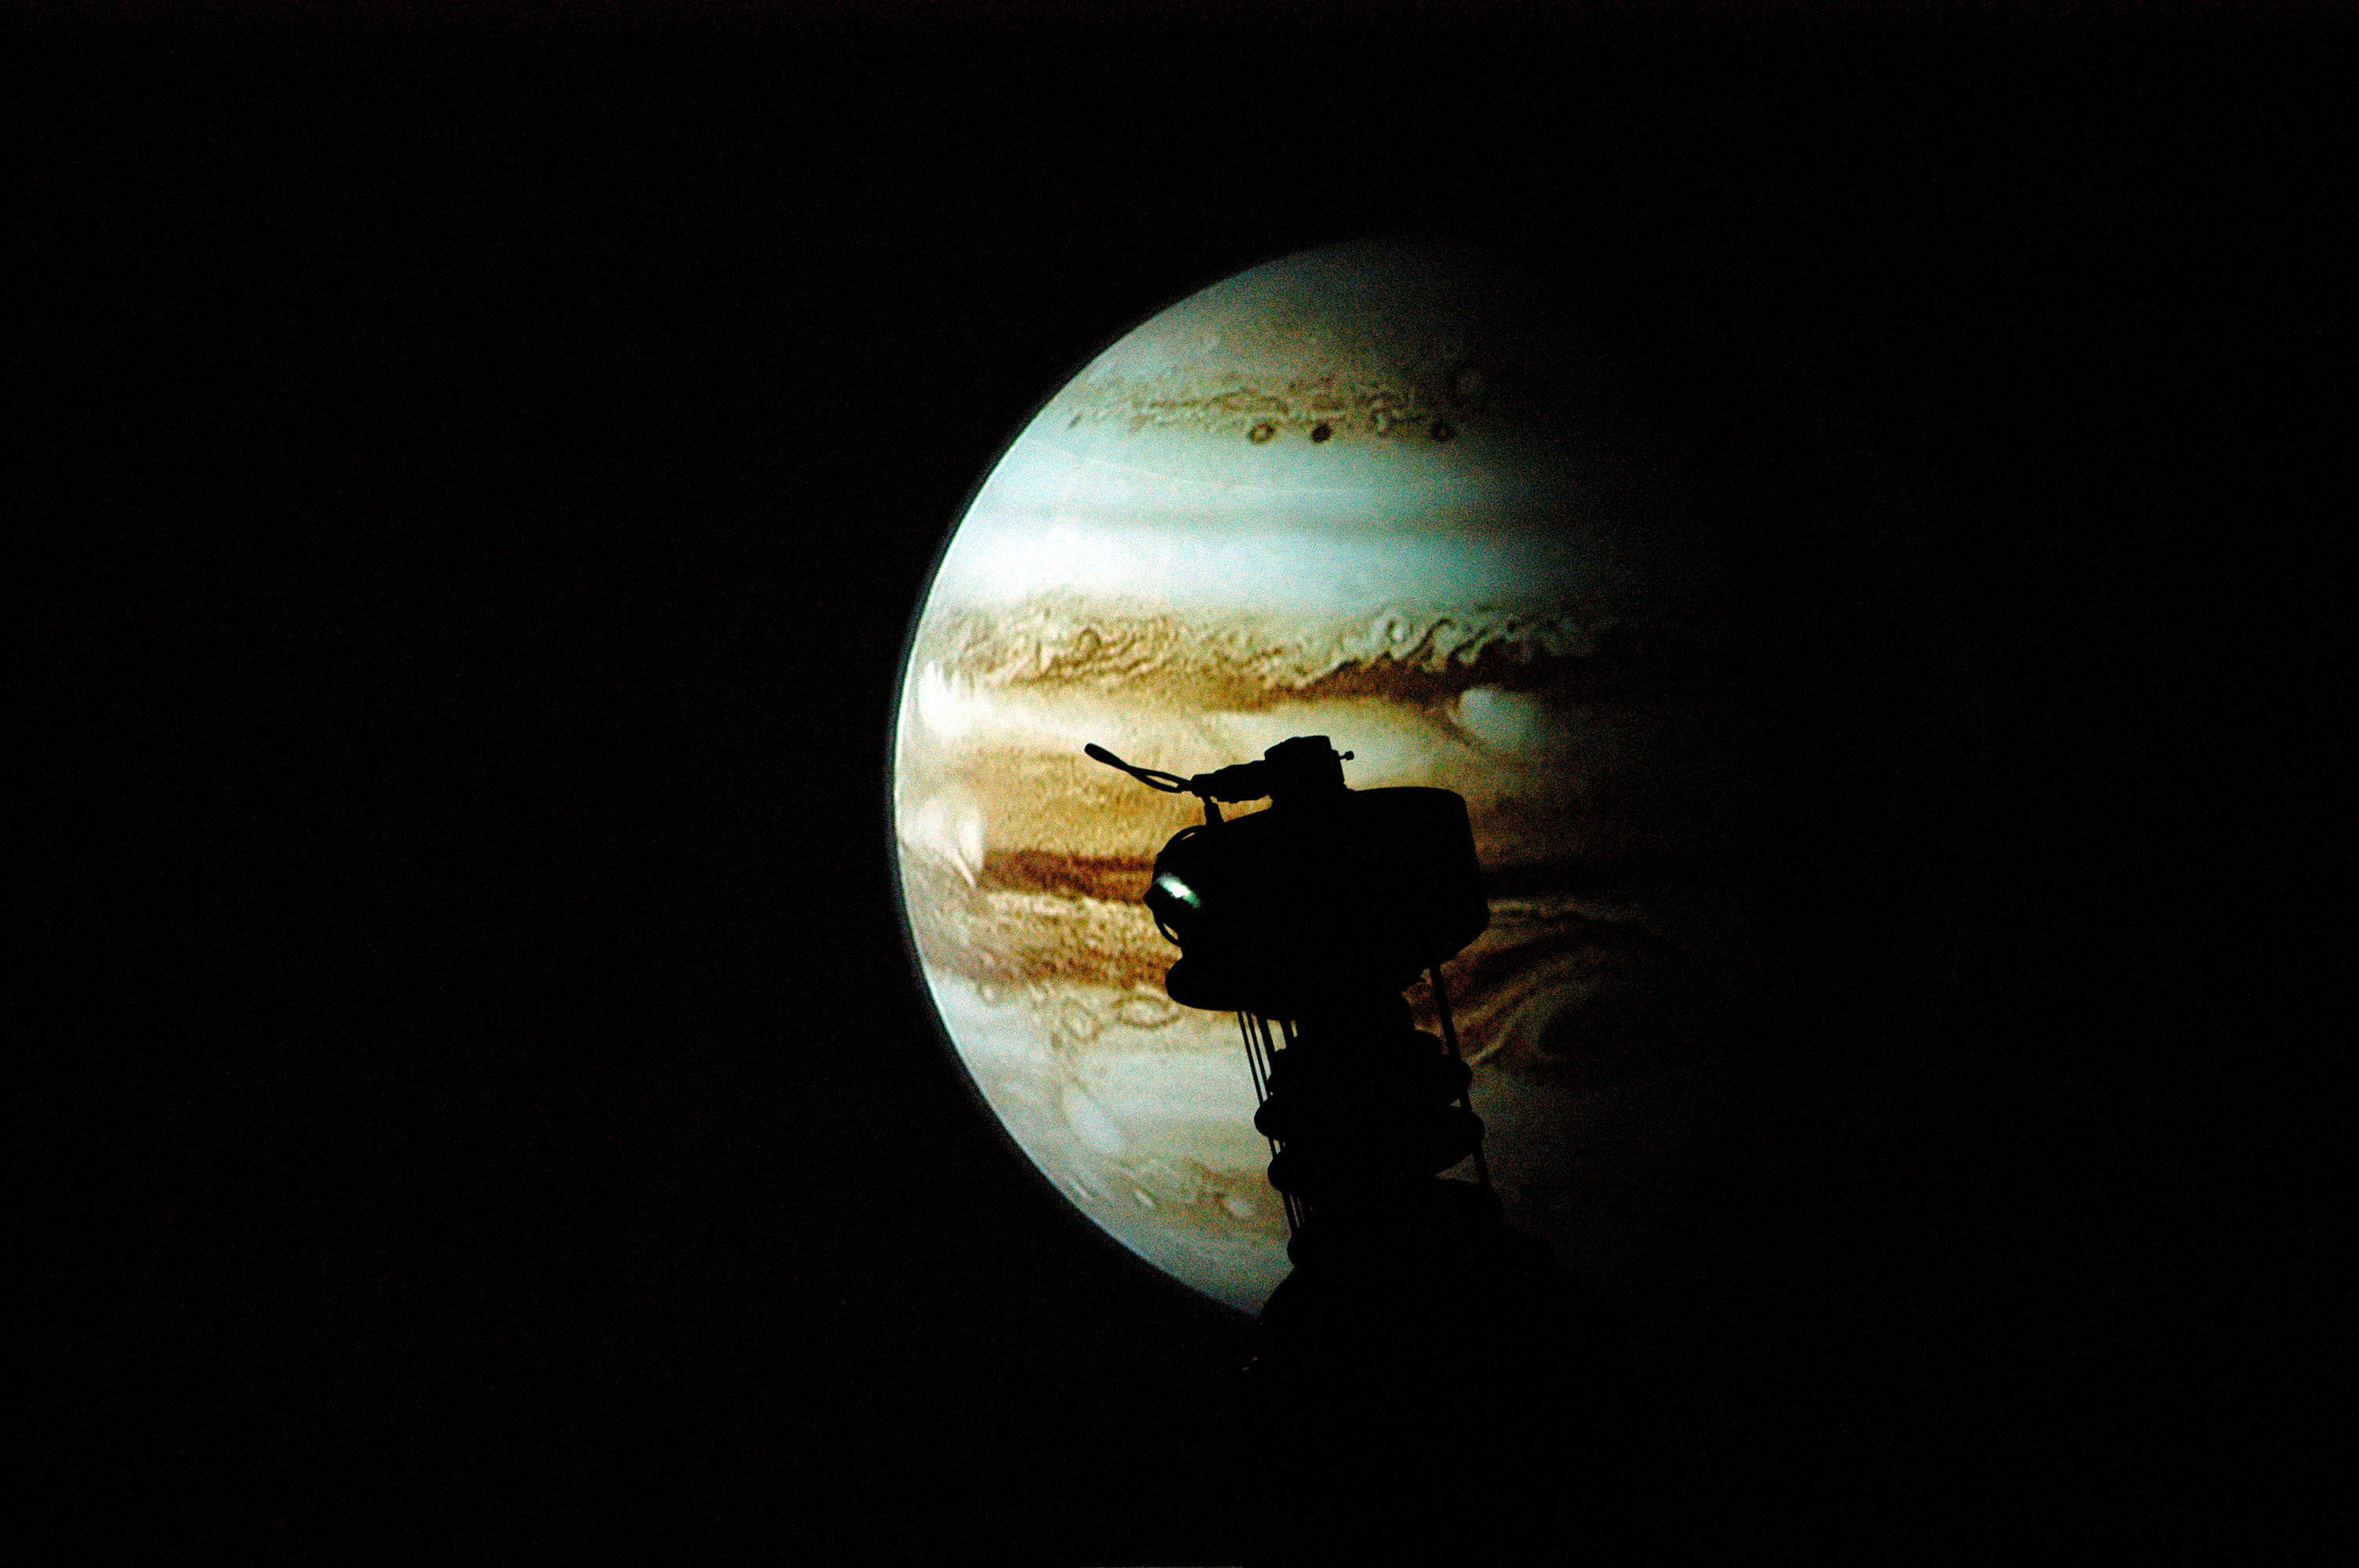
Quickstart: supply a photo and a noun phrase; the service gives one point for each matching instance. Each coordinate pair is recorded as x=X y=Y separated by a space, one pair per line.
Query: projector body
x=1318 y=900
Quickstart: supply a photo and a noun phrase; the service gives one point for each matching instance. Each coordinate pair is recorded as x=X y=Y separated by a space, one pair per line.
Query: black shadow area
x=482 y=477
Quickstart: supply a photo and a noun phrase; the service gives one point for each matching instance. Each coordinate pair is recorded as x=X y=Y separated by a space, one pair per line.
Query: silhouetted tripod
x=1419 y=1343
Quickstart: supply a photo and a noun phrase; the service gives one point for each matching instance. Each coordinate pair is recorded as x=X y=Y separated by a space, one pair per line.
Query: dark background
x=478 y=1100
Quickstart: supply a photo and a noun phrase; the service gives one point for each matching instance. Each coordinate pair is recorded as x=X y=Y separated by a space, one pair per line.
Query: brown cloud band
x=1401 y=652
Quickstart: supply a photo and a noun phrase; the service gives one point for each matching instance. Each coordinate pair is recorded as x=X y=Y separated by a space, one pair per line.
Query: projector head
x=1332 y=894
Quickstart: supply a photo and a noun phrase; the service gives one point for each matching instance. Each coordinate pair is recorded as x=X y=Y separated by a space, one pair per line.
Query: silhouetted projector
x=1330 y=892
x=1307 y=921
x=1416 y=1331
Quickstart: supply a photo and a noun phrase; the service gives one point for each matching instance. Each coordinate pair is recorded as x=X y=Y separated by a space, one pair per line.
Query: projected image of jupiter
x=1363 y=492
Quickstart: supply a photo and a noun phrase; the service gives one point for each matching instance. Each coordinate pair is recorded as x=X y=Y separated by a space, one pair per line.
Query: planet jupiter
x=1371 y=493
